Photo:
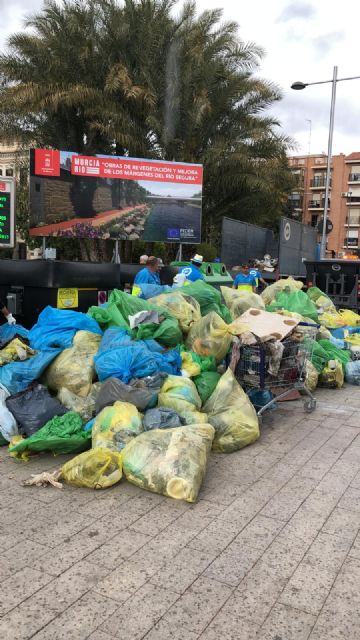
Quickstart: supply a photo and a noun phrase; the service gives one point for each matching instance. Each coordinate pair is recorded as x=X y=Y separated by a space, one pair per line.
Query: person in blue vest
x=244 y=281
x=192 y=272
x=148 y=275
x=253 y=271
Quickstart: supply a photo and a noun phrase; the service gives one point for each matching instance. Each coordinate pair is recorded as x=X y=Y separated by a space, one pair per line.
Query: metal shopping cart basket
x=278 y=367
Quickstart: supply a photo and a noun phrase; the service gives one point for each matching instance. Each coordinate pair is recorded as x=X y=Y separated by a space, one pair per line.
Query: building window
x=1 y=172
x=301 y=161
x=314 y=220
x=320 y=160
x=9 y=172
x=352 y=238
x=37 y=187
x=353 y=217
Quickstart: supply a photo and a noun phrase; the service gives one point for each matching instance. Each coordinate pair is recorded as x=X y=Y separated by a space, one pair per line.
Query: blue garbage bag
x=352 y=372
x=8 y=331
x=114 y=338
x=17 y=376
x=57 y=327
x=135 y=360
x=340 y=331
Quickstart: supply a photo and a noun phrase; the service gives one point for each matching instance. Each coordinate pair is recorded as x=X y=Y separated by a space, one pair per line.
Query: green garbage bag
x=122 y=305
x=334 y=353
x=295 y=301
x=62 y=434
x=193 y=364
x=321 y=300
x=319 y=357
x=206 y=383
x=208 y=298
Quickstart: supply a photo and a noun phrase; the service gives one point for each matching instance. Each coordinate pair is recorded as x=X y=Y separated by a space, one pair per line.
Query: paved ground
x=271 y=551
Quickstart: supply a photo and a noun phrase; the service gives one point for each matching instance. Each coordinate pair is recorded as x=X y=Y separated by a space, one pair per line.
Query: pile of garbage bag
x=146 y=388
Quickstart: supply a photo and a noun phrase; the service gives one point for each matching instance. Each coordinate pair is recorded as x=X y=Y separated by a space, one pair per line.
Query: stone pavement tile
x=343 y=523
x=100 y=635
x=185 y=528
x=105 y=528
x=20 y=586
x=79 y=620
x=7 y=540
x=25 y=620
x=309 y=586
x=286 y=623
x=340 y=616
x=233 y=564
x=355 y=482
x=283 y=555
x=230 y=627
x=225 y=491
x=259 y=533
x=66 y=554
x=284 y=504
x=243 y=509
x=134 y=619
x=281 y=472
x=355 y=549
x=162 y=631
x=99 y=507
x=256 y=594
x=353 y=420
x=127 y=578
x=182 y=570
x=198 y=605
x=121 y=546
x=159 y=517
x=215 y=537
x=350 y=500
x=56 y=532
x=146 y=501
x=20 y=555
x=206 y=508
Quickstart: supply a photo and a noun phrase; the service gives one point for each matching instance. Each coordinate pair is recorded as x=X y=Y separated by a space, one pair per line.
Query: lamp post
x=302 y=85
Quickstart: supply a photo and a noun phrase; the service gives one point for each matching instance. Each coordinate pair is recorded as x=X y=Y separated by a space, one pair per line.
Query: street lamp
x=298 y=86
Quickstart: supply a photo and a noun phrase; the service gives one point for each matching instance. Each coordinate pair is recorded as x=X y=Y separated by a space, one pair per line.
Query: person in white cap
x=143 y=259
x=192 y=272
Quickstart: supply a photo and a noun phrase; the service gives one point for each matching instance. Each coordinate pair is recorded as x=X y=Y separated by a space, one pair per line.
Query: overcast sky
x=303 y=40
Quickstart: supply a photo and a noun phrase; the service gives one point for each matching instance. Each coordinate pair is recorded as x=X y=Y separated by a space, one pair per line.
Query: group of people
x=248 y=279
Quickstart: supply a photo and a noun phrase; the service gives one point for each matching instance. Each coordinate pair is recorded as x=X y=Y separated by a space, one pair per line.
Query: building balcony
x=353 y=200
x=353 y=222
x=352 y=243
x=354 y=177
x=317 y=204
x=319 y=183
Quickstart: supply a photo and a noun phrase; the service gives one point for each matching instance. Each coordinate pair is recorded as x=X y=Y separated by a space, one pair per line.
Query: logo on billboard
x=287 y=231
x=47 y=162
x=173 y=234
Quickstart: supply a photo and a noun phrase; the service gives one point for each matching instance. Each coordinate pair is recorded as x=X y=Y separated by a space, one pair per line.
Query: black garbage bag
x=162 y=418
x=33 y=408
x=142 y=393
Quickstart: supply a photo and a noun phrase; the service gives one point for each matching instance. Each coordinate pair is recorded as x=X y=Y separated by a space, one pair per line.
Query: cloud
x=323 y=44
x=297 y=11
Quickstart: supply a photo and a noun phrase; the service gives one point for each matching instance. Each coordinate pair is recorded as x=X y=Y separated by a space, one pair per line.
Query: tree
x=94 y=76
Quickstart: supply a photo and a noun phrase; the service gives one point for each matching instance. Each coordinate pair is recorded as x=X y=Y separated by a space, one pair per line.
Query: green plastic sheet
x=62 y=434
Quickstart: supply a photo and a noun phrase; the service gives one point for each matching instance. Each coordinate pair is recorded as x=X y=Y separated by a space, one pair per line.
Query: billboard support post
x=180 y=252
x=117 y=253
x=43 y=246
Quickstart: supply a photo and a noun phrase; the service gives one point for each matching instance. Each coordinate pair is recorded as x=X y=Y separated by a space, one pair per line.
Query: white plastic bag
x=8 y=426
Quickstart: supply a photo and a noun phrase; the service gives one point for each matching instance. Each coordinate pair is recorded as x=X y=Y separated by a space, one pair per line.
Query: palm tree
x=94 y=76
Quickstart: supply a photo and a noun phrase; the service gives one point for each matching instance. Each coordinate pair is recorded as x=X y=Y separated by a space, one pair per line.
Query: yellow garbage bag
x=232 y=415
x=24 y=455
x=351 y=319
x=184 y=308
x=331 y=320
x=311 y=376
x=211 y=336
x=194 y=417
x=85 y=407
x=353 y=339
x=15 y=351
x=179 y=393
x=269 y=294
x=240 y=301
x=171 y=462
x=188 y=365
x=95 y=469
x=116 y=425
x=332 y=376
x=74 y=368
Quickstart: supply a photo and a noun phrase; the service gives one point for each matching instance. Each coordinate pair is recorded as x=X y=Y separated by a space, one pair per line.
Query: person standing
x=253 y=271
x=148 y=275
x=143 y=259
x=244 y=281
x=192 y=272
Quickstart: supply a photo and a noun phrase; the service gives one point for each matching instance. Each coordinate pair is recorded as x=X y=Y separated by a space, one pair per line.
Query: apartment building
x=307 y=200
x=14 y=160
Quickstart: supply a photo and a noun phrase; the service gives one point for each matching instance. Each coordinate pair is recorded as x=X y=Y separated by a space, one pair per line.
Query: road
x=271 y=551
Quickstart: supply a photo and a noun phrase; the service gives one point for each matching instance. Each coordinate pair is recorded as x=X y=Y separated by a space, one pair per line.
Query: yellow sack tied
x=179 y=393
x=238 y=301
x=74 y=368
x=350 y=318
x=115 y=426
x=332 y=376
x=171 y=462
x=211 y=336
x=94 y=469
x=15 y=351
x=184 y=308
x=269 y=294
x=232 y=416
x=331 y=320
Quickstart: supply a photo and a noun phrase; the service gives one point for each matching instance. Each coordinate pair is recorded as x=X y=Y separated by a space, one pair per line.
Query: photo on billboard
x=114 y=197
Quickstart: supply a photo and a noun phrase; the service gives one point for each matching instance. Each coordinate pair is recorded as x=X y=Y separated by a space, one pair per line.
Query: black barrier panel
x=297 y=243
x=339 y=279
x=241 y=242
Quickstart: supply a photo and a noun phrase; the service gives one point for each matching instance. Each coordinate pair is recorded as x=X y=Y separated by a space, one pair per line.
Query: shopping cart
x=278 y=367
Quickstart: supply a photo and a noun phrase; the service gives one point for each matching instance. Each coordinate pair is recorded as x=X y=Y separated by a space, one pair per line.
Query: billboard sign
x=7 y=213
x=100 y=196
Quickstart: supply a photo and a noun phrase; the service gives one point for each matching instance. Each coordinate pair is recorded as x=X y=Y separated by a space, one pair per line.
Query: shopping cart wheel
x=310 y=405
